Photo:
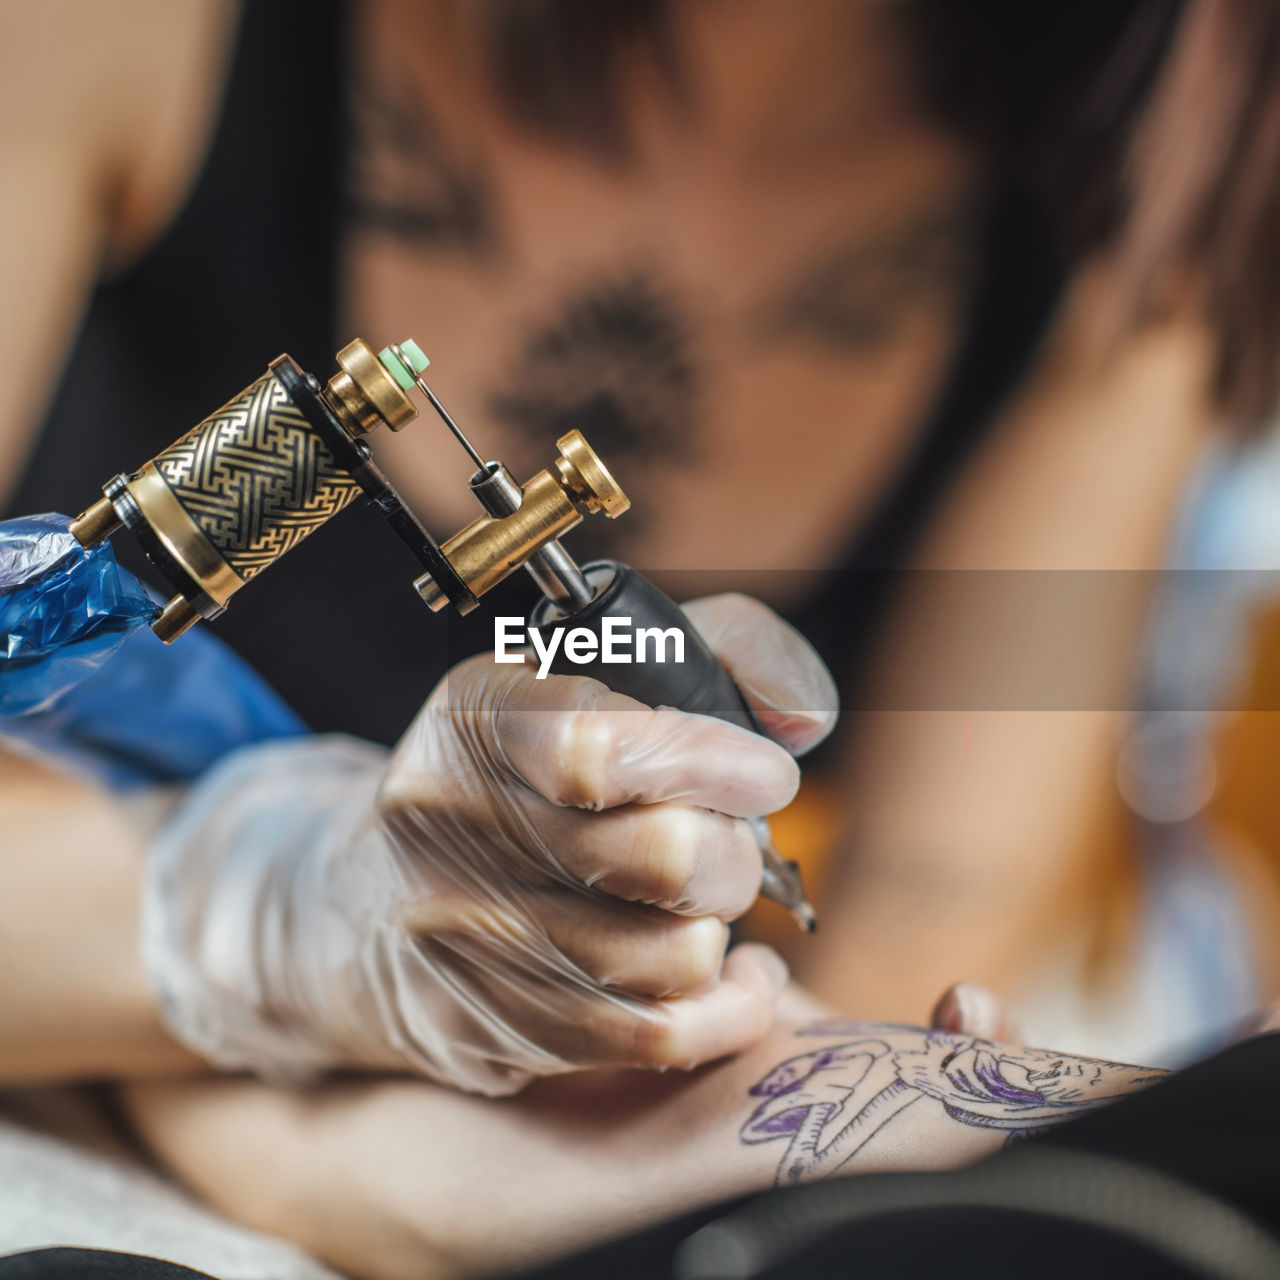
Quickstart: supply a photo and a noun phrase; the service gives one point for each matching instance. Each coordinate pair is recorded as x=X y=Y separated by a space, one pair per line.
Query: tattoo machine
x=258 y=475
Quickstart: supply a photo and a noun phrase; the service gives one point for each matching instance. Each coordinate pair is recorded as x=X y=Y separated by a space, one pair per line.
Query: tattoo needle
x=781 y=882
x=551 y=567
x=411 y=367
x=562 y=580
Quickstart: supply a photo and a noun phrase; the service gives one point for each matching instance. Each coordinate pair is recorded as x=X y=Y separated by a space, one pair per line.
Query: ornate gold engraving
x=255 y=477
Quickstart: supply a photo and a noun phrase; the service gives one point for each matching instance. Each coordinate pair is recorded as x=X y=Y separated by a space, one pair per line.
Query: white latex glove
x=538 y=879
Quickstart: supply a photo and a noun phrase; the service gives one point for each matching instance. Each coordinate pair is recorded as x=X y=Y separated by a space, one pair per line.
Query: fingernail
x=978 y=1011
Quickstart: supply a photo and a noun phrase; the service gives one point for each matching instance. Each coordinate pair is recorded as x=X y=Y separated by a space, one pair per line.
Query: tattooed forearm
x=827 y=1105
x=405 y=181
x=857 y=295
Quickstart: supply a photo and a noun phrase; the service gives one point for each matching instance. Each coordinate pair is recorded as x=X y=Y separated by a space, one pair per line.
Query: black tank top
x=248 y=269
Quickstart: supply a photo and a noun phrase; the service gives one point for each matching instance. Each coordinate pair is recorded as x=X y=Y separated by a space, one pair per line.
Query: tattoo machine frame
x=255 y=477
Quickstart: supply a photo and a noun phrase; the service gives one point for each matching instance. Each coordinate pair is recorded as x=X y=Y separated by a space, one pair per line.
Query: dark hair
x=1151 y=126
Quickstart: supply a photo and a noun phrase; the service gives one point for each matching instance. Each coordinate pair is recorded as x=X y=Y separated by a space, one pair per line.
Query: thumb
x=786 y=684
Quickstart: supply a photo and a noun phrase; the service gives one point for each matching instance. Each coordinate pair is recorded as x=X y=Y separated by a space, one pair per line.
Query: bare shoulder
x=120 y=94
x=105 y=106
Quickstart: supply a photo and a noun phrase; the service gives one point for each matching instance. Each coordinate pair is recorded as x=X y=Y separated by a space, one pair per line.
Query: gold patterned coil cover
x=254 y=479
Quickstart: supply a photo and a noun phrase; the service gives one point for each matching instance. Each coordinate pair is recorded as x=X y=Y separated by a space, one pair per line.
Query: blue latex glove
x=63 y=611
x=83 y=677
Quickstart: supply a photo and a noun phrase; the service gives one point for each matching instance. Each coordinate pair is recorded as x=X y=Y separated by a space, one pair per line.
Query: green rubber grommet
x=395 y=367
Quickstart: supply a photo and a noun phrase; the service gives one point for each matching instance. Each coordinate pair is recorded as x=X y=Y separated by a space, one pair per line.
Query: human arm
x=102 y=113
x=397 y=1179
x=984 y=825
x=74 y=998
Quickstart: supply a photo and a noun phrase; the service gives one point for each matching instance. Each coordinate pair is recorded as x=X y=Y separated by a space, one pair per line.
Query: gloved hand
x=538 y=879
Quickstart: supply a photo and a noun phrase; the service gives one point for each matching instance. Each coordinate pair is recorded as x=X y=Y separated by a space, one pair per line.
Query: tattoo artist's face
x=747 y=317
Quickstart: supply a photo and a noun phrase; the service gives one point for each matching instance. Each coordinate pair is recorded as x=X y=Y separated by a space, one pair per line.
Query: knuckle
x=400 y=792
x=599 y=964
x=582 y=747
x=653 y=1039
x=743 y=888
x=668 y=854
x=617 y=1031
x=763 y=1008
x=406 y=792
x=694 y=951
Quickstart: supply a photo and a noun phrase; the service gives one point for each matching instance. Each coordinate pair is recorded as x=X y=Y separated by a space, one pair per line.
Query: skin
x=971 y=823
x=73 y=996
x=613 y=1151
x=708 y=241
x=712 y=226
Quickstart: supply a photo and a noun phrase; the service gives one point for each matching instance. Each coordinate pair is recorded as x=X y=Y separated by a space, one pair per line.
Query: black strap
x=92 y=1264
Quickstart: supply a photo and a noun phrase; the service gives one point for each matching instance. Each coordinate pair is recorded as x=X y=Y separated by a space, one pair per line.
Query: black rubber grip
x=699 y=684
